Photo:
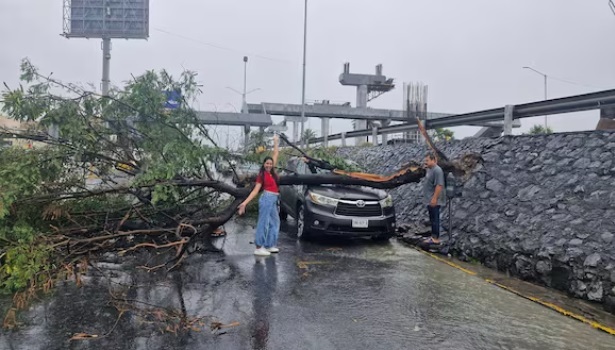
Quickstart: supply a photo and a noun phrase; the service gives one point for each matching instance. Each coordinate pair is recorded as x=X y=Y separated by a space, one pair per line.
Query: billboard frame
x=106 y=19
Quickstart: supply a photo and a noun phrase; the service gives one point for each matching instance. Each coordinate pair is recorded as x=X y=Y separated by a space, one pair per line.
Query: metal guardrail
x=578 y=103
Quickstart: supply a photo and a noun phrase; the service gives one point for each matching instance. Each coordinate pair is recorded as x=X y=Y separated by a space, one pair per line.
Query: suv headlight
x=387 y=202
x=323 y=200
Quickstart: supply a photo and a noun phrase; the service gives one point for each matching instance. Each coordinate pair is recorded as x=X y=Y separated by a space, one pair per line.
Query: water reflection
x=265 y=278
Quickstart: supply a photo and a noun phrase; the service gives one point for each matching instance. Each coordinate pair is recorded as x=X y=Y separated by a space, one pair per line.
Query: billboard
x=125 y=19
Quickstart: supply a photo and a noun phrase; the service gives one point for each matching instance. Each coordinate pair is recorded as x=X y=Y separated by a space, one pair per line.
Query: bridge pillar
x=385 y=123
x=54 y=131
x=360 y=124
x=375 y=135
x=324 y=130
x=607 y=119
x=295 y=132
x=508 y=119
x=344 y=139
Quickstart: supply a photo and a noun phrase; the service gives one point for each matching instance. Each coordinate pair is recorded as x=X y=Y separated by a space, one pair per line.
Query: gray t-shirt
x=433 y=178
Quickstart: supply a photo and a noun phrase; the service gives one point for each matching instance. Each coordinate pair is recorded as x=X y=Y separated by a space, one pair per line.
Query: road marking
x=450 y=263
x=546 y=304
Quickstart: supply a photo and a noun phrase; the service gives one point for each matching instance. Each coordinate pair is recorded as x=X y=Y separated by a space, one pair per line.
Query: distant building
x=11 y=125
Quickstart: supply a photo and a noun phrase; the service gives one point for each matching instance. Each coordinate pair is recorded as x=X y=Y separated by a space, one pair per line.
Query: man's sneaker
x=261 y=252
x=273 y=250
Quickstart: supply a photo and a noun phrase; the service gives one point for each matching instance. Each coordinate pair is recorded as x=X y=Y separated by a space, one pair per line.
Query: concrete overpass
x=505 y=117
x=333 y=111
x=235 y=119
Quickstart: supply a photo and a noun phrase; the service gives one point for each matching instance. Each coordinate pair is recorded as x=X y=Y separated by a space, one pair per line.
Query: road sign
x=174 y=98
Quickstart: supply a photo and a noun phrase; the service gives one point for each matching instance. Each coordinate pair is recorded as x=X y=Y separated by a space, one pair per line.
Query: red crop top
x=269 y=183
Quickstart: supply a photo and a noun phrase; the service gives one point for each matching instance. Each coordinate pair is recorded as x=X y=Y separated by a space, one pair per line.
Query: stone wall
x=540 y=207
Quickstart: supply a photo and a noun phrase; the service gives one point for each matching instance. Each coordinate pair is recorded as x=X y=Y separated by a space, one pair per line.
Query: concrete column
x=324 y=129
x=607 y=119
x=295 y=132
x=385 y=123
x=361 y=124
x=343 y=139
x=54 y=131
x=508 y=119
x=375 y=136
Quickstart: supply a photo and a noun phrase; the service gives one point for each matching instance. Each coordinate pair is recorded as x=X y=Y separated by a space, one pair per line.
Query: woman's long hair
x=261 y=173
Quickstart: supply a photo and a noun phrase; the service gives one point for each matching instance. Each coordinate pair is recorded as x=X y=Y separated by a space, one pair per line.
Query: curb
x=551 y=306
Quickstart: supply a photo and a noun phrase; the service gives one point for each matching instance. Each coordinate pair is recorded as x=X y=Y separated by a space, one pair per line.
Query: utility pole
x=546 y=125
x=244 y=104
x=106 y=75
x=106 y=49
x=545 y=79
x=303 y=88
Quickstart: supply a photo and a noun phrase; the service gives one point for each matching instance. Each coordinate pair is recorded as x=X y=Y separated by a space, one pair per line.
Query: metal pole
x=304 y=59
x=545 y=78
x=546 y=125
x=245 y=84
x=106 y=48
x=450 y=224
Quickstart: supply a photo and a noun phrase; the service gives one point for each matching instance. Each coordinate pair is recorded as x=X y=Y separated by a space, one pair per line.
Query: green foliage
x=329 y=154
x=22 y=264
x=258 y=142
x=308 y=135
x=442 y=134
x=540 y=129
x=44 y=190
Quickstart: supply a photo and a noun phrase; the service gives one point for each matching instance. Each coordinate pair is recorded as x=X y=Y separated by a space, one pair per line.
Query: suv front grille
x=351 y=209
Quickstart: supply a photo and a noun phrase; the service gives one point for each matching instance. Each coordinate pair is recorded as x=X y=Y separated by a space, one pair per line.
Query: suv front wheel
x=302 y=231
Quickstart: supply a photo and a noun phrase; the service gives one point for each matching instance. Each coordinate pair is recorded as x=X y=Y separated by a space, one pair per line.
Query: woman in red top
x=268 y=226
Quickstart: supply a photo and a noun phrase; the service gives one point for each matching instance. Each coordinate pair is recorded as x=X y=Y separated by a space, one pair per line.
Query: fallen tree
x=154 y=185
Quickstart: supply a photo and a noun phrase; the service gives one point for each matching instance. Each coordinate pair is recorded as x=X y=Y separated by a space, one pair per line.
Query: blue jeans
x=268 y=226
x=434 y=218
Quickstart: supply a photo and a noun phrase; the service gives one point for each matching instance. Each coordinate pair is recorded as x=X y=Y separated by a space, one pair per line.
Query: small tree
x=540 y=129
x=442 y=134
x=308 y=135
x=258 y=142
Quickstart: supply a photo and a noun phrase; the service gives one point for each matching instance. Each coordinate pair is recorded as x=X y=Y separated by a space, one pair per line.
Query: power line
x=220 y=47
x=575 y=83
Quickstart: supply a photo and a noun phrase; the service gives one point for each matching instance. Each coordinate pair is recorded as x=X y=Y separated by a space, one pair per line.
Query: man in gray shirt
x=434 y=195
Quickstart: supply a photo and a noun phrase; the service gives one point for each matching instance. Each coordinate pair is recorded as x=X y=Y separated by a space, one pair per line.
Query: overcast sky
x=469 y=53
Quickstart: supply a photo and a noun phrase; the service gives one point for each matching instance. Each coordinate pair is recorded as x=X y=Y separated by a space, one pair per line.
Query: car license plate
x=360 y=223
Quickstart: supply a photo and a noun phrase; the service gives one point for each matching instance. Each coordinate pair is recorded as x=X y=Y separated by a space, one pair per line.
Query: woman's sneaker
x=261 y=252
x=273 y=250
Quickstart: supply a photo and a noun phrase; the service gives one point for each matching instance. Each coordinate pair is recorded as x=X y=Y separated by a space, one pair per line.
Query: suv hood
x=349 y=192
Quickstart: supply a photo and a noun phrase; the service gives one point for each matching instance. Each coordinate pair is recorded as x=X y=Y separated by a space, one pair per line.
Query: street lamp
x=545 y=77
x=303 y=82
x=244 y=104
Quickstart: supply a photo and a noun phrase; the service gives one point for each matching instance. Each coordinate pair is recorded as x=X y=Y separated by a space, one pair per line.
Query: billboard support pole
x=106 y=49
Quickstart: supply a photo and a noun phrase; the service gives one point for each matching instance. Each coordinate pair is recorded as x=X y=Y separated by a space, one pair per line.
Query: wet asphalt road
x=313 y=295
